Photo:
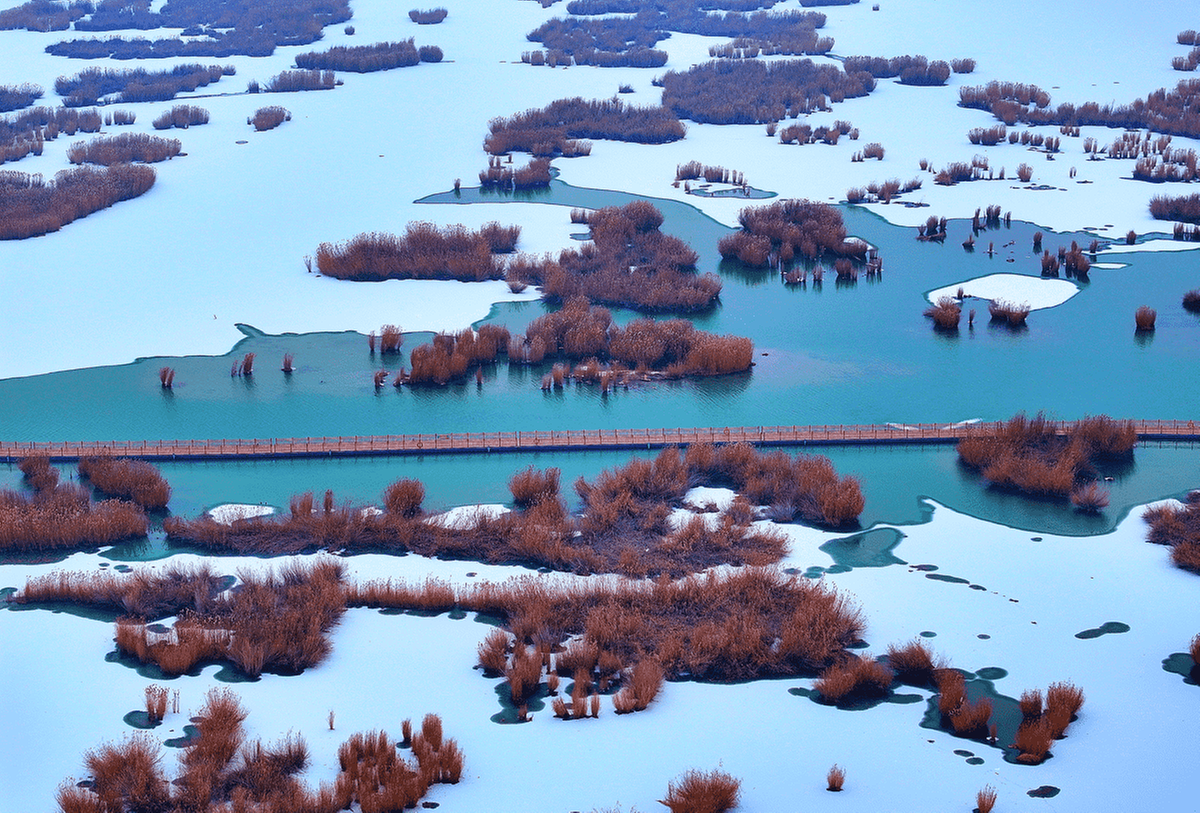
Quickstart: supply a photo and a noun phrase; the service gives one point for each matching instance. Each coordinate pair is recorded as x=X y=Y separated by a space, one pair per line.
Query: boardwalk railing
x=464 y=442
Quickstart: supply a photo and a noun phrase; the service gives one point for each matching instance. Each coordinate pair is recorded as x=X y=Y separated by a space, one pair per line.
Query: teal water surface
x=824 y=354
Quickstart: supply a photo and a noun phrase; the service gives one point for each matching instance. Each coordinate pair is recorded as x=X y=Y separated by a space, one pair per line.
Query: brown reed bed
x=1179 y=528
x=501 y=176
x=37 y=472
x=276 y=622
x=1028 y=455
x=629 y=263
x=220 y=771
x=431 y=16
x=294 y=81
x=26 y=133
x=1041 y=726
x=694 y=170
x=790 y=229
x=133 y=480
x=63 y=518
x=752 y=623
x=1194 y=650
x=1165 y=111
x=623 y=529
x=855 y=677
x=380 y=56
x=41 y=16
x=1191 y=301
x=703 y=792
x=123 y=148
x=750 y=91
x=1181 y=208
x=31 y=207
x=91 y=85
x=608 y=354
x=1144 y=318
x=250 y=29
x=450 y=356
x=835 y=779
x=268 y=118
x=16 y=97
x=143 y=595
x=546 y=132
x=1011 y=314
x=182 y=116
x=915 y=663
x=424 y=251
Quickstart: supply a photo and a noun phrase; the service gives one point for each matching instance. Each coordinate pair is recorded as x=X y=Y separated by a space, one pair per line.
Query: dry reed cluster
x=789 y=230
x=1042 y=724
x=755 y=92
x=1178 y=527
x=26 y=133
x=945 y=314
x=212 y=29
x=15 y=97
x=1144 y=318
x=39 y=15
x=629 y=263
x=221 y=771
x=144 y=594
x=751 y=623
x=133 y=480
x=137 y=84
x=381 y=56
x=534 y=175
x=122 y=149
x=608 y=354
x=1191 y=301
x=1170 y=112
x=693 y=170
x=30 y=207
x=703 y=792
x=277 y=622
x=63 y=518
x=423 y=252
x=38 y=473
x=431 y=16
x=624 y=529
x=549 y=131
x=268 y=118
x=182 y=116
x=450 y=356
x=911 y=70
x=915 y=663
x=958 y=713
x=852 y=678
x=636 y=57
x=1029 y=455
x=293 y=81
x=1183 y=208
x=1008 y=313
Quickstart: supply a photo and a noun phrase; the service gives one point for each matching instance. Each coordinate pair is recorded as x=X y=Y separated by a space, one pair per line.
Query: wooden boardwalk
x=464 y=442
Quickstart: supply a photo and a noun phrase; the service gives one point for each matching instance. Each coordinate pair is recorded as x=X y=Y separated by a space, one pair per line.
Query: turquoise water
x=829 y=354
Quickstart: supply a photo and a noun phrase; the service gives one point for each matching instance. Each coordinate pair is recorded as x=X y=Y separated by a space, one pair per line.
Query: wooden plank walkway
x=464 y=442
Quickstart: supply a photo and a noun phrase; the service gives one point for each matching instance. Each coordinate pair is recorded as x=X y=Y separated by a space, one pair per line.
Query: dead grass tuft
x=701 y=792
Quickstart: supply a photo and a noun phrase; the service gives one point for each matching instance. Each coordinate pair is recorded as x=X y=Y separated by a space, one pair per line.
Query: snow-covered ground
x=1036 y=292
x=62 y=698
x=222 y=236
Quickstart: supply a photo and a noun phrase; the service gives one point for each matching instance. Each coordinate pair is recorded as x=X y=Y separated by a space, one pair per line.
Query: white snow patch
x=467 y=516
x=230 y=513
x=1037 y=292
x=703 y=496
